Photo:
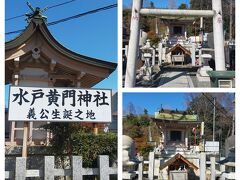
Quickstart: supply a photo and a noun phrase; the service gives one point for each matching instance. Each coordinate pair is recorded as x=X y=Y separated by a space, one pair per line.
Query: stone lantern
x=146 y=70
x=202 y=71
x=129 y=160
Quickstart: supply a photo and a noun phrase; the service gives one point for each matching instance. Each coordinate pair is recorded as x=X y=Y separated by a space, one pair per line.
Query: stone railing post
x=104 y=169
x=140 y=168
x=213 y=169
x=49 y=168
x=222 y=169
x=77 y=170
x=202 y=166
x=151 y=166
x=20 y=173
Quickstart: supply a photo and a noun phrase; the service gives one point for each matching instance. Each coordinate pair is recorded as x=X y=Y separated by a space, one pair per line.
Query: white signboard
x=212 y=146
x=59 y=104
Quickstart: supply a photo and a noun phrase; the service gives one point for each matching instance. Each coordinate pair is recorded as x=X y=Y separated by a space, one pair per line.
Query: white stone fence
x=153 y=167
x=76 y=172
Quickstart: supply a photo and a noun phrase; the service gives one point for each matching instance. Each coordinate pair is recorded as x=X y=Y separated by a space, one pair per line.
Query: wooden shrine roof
x=37 y=36
x=175 y=120
x=179 y=46
x=175 y=116
x=176 y=158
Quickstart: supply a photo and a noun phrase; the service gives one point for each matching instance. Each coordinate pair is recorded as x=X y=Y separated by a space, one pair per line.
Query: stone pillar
x=157 y=164
x=201 y=22
x=126 y=50
x=185 y=32
x=200 y=60
x=20 y=169
x=160 y=54
x=133 y=45
x=202 y=166
x=151 y=166
x=49 y=168
x=193 y=50
x=153 y=56
x=202 y=128
x=186 y=138
x=213 y=169
x=164 y=138
x=201 y=28
x=218 y=35
x=104 y=169
x=140 y=168
x=222 y=170
x=77 y=169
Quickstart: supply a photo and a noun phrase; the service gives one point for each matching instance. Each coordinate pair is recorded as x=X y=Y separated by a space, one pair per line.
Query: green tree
x=152 y=5
x=183 y=6
x=154 y=39
x=207 y=5
x=73 y=139
x=145 y=111
x=90 y=146
x=134 y=125
x=131 y=110
x=146 y=150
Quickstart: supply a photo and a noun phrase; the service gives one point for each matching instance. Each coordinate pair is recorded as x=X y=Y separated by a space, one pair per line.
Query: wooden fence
x=76 y=172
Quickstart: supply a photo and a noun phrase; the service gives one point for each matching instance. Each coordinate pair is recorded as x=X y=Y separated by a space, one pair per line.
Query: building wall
x=113 y=126
x=32 y=77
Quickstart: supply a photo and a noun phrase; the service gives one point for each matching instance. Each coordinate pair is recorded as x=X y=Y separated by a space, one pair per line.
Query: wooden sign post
x=25 y=139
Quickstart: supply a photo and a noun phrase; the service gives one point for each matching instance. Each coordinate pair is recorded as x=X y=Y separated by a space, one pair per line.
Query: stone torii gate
x=137 y=10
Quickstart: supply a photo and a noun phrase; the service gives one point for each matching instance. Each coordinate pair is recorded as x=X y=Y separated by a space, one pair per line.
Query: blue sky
x=94 y=35
x=158 y=3
x=152 y=101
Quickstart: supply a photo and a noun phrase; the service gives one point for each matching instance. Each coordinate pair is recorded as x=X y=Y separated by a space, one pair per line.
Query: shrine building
x=178 y=150
x=176 y=129
x=36 y=59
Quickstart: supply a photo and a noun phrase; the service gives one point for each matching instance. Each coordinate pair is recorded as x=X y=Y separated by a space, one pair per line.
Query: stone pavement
x=175 y=79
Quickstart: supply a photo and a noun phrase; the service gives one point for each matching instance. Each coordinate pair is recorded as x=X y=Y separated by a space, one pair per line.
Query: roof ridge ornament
x=36 y=13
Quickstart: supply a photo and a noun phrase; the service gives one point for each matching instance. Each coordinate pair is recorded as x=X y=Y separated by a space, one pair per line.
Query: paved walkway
x=175 y=79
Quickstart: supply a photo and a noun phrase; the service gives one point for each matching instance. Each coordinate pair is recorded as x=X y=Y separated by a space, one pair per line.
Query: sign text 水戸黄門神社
x=59 y=104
